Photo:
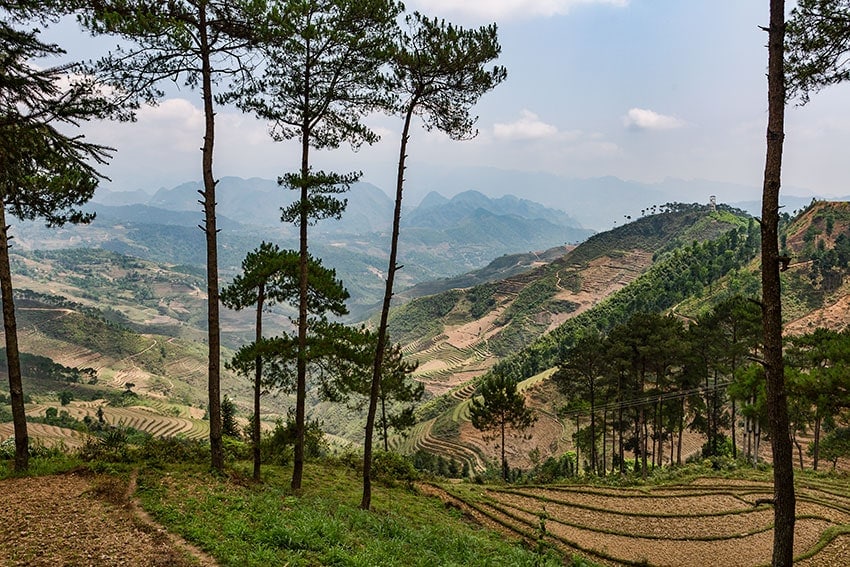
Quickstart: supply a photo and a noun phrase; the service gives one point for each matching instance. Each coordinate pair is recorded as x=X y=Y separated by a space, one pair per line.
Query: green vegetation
x=530 y=300
x=481 y=299
x=421 y=318
x=673 y=277
x=246 y=525
x=676 y=223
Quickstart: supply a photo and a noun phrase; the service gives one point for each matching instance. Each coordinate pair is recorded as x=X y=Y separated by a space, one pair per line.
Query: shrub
x=390 y=467
x=236 y=449
x=277 y=447
x=174 y=450
x=36 y=449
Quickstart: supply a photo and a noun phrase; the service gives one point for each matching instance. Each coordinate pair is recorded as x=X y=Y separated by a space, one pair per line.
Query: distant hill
x=600 y=203
x=141 y=322
x=446 y=238
x=683 y=260
x=463 y=330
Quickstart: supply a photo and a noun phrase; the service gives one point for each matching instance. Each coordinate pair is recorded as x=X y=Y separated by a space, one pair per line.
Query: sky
x=644 y=90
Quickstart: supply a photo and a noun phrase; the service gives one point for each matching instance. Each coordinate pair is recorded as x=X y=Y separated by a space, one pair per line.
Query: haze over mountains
x=596 y=203
x=441 y=237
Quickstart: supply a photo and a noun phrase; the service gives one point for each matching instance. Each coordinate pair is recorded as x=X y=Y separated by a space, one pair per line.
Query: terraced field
x=470 y=446
x=153 y=420
x=47 y=435
x=706 y=522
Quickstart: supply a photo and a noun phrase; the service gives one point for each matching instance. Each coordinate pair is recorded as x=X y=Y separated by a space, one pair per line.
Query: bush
x=277 y=447
x=36 y=449
x=174 y=450
x=236 y=449
x=390 y=467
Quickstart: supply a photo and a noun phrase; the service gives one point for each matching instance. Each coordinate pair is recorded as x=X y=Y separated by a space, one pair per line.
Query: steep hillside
x=521 y=323
x=815 y=285
x=458 y=334
x=712 y=256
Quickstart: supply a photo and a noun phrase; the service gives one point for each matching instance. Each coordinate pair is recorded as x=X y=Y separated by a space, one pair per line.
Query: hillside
x=445 y=238
x=146 y=380
x=138 y=322
x=684 y=261
x=458 y=334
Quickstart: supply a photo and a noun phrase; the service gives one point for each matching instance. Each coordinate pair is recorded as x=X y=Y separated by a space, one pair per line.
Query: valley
x=124 y=337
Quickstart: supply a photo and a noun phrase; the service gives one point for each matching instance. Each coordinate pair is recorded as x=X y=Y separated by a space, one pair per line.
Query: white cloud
x=643 y=119
x=527 y=127
x=500 y=10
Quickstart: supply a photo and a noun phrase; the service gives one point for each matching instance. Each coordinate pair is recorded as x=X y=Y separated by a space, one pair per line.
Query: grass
x=244 y=524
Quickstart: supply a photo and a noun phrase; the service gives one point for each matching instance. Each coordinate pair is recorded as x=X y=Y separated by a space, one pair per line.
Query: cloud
x=643 y=119
x=528 y=127
x=501 y=10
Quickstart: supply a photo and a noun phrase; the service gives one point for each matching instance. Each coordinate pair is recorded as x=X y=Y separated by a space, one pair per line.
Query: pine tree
x=46 y=170
x=201 y=42
x=501 y=407
x=322 y=75
x=438 y=74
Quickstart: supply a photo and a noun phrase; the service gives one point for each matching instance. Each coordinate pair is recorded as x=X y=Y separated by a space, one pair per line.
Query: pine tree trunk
x=681 y=434
x=384 y=424
x=644 y=450
x=592 y=427
x=734 y=434
x=783 y=470
x=604 y=442
x=622 y=445
x=366 y=501
x=816 y=448
x=301 y=362
x=10 y=327
x=258 y=379
x=208 y=193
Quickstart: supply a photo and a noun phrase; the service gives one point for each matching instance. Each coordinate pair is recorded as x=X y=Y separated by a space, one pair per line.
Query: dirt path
x=83 y=519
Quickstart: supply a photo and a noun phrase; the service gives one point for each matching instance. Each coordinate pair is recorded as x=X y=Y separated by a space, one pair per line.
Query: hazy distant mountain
x=436 y=211
x=441 y=238
x=154 y=215
x=258 y=202
x=599 y=202
x=117 y=198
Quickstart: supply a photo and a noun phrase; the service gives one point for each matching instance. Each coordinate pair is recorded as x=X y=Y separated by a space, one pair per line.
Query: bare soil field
x=709 y=522
x=82 y=519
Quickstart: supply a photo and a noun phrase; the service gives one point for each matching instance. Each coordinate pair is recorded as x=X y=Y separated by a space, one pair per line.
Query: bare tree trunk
x=622 y=445
x=208 y=193
x=578 y=453
x=799 y=450
x=604 y=442
x=258 y=378
x=384 y=425
x=734 y=434
x=301 y=363
x=777 y=405
x=592 y=426
x=816 y=449
x=365 y=502
x=645 y=445
x=504 y=457
x=681 y=434
x=10 y=327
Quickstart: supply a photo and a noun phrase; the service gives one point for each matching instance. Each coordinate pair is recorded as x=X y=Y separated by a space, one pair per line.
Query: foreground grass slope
x=688 y=516
x=246 y=525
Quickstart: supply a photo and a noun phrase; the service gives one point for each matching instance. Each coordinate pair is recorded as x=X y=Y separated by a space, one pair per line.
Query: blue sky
x=639 y=89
